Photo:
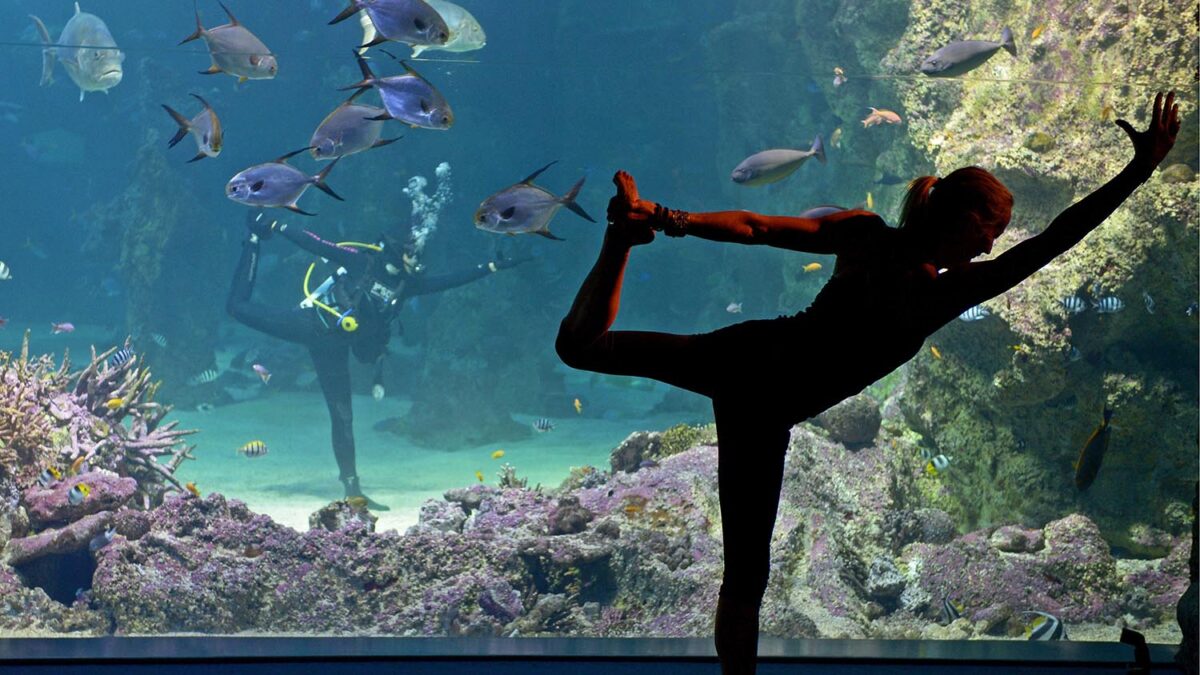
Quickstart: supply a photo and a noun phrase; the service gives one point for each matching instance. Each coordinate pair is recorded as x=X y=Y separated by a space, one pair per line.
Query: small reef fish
x=78 y=493
x=770 y=166
x=49 y=476
x=648 y=464
x=543 y=425
x=835 y=139
x=951 y=610
x=821 y=211
x=1107 y=112
x=879 y=116
x=975 y=313
x=88 y=52
x=466 y=35
x=204 y=377
x=1149 y=301
x=408 y=98
x=1108 y=305
x=870 y=201
x=734 y=308
x=1045 y=627
x=1092 y=453
x=78 y=466
x=937 y=465
x=235 y=50
x=64 y=327
x=1192 y=309
x=839 y=77
x=1073 y=354
x=263 y=373
x=497 y=454
x=205 y=407
x=958 y=58
x=192 y=489
x=357 y=502
x=120 y=357
x=1073 y=304
x=253 y=449
x=526 y=208
x=101 y=540
x=578 y=407
x=114 y=404
x=937 y=354
x=350 y=128
x=812 y=267
x=5 y=272
x=479 y=476
x=277 y=184
x=159 y=340
x=205 y=127
x=1037 y=32
x=413 y=22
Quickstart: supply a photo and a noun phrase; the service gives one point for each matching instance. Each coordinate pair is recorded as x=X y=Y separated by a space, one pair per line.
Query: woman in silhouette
x=890 y=289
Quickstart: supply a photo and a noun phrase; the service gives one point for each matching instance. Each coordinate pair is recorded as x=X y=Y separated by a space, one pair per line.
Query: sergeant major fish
x=350 y=128
x=964 y=56
x=87 y=51
x=526 y=207
x=413 y=22
x=235 y=50
x=277 y=184
x=975 y=313
x=205 y=127
x=770 y=166
x=409 y=98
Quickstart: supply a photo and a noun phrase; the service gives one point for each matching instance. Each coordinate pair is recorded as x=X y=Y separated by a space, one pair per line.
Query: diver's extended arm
x=979 y=281
x=354 y=261
x=425 y=284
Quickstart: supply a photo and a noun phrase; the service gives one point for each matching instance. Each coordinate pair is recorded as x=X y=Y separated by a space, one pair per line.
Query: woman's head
x=957 y=217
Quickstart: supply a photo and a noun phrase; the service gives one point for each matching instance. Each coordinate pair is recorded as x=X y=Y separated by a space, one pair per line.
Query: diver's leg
x=285 y=324
x=751 y=446
x=331 y=359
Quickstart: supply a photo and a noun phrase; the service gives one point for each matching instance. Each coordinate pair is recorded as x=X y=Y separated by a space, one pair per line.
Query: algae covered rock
x=853 y=422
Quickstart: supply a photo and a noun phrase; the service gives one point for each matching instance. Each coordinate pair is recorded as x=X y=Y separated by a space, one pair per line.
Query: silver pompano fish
x=525 y=207
x=770 y=166
x=235 y=50
x=410 y=21
x=408 y=98
x=957 y=58
x=88 y=52
x=350 y=128
x=276 y=184
x=466 y=34
x=205 y=127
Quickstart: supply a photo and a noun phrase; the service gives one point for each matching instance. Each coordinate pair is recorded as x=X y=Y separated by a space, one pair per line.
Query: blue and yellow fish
x=937 y=465
x=78 y=493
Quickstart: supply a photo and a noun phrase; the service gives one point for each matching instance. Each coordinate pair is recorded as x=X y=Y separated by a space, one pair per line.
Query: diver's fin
x=319 y=179
x=183 y=122
x=47 y=53
x=530 y=177
x=568 y=200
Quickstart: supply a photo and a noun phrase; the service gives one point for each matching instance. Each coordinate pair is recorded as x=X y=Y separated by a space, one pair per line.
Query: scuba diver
x=891 y=289
x=352 y=310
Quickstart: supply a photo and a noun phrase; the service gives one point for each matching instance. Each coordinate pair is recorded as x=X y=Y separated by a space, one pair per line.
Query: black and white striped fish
x=543 y=425
x=120 y=357
x=204 y=377
x=1045 y=627
x=1110 y=304
x=951 y=610
x=975 y=313
x=159 y=340
x=253 y=449
x=5 y=272
x=1149 y=301
x=1073 y=304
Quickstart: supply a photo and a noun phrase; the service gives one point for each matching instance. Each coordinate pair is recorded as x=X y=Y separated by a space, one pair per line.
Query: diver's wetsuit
x=329 y=345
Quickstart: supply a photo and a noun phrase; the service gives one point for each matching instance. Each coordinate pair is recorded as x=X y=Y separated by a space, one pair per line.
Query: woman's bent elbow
x=569 y=348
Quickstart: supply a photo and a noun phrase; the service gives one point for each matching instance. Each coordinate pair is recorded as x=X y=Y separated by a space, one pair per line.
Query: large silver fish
x=277 y=184
x=410 y=21
x=350 y=128
x=526 y=207
x=87 y=50
x=408 y=98
x=466 y=34
x=205 y=127
x=957 y=58
x=235 y=50
x=770 y=166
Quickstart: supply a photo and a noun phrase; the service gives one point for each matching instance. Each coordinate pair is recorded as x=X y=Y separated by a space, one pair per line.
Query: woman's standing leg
x=751 y=446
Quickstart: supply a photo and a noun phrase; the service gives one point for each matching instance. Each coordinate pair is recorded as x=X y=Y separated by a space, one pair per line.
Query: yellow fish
x=835 y=139
x=1107 y=112
x=578 y=407
x=191 y=487
x=75 y=466
x=632 y=509
x=479 y=476
x=934 y=350
x=1037 y=32
x=357 y=502
x=812 y=267
x=114 y=403
x=870 y=201
x=78 y=493
x=497 y=454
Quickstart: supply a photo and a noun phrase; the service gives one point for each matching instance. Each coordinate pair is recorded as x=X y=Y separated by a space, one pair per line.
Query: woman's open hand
x=628 y=215
x=1153 y=144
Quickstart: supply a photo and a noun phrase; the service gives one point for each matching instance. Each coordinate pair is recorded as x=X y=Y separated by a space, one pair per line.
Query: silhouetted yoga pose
x=890 y=289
